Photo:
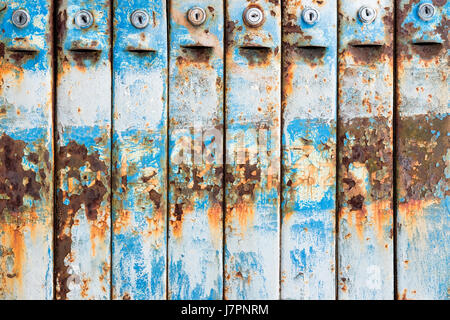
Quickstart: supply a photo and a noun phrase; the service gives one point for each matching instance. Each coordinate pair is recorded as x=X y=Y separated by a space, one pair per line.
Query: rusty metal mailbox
x=83 y=117
x=26 y=150
x=309 y=150
x=195 y=149
x=365 y=143
x=253 y=117
x=139 y=150
x=423 y=150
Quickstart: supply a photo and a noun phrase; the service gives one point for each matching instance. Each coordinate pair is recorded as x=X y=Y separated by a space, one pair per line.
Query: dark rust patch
x=256 y=56
x=423 y=145
x=367 y=142
x=72 y=158
x=15 y=181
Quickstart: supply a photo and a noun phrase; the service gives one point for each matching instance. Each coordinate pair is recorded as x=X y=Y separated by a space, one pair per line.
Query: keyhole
x=310 y=16
x=196 y=16
x=140 y=19
x=426 y=11
x=84 y=18
x=20 y=18
x=367 y=14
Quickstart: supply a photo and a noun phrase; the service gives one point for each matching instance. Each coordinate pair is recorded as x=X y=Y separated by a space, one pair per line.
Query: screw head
x=140 y=19
x=426 y=11
x=196 y=16
x=253 y=16
x=310 y=16
x=84 y=19
x=20 y=18
x=367 y=14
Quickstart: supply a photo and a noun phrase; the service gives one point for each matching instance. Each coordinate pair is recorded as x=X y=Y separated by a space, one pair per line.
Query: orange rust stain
x=122 y=221
x=215 y=222
x=14 y=240
x=99 y=229
x=412 y=214
x=156 y=224
x=245 y=214
x=177 y=225
x=378 y=214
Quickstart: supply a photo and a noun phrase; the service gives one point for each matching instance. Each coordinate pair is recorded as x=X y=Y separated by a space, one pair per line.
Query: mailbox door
x=26 y=150
x=195 y=150
x=365 y=132
x=253 y=116
x=423 y=222
x=82 y=248
x=309 y=150
x=139 y=150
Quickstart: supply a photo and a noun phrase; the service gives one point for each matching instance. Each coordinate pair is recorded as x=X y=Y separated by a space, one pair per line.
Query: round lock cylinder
x=21 y=18
x=426 y=11
x=196 y=16
x=84 y=19
x=367 y=14
x=310 y=16
x=140 y=19
x=253 y=16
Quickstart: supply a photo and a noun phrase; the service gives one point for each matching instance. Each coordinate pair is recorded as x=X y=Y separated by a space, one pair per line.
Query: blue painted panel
x=253 y=116
x=83 y=113
x=196 y=156
x=309 y=151
x=26 y=153
x=139 y=152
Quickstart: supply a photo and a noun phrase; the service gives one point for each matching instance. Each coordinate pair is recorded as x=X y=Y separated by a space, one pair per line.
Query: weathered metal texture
x=26 y=153
x=195 y=147
x=365 y=144
x=253 y=116
x=82 y=248
x=139 y=152
x=423 y=152
x=309 y=151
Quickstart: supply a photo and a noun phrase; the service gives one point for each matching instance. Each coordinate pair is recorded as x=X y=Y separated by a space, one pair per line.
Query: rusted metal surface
x=423 y=152
x=26 y=152
x=82 y=248
x=365 y=143
x=139 y=152
x=253 y=116
x=309 y=150
x=195 y=148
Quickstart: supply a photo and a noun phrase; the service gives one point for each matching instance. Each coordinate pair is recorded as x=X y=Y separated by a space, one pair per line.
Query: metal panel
x=309 y=150
x=253 y=146
x=82 y=249
x=423 y=151
x=26 y=150
x=139 y=150
x=365 y=177
x=196 y=156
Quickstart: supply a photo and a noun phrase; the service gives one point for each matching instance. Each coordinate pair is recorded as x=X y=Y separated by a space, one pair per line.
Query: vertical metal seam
x=111 y=179
x=394 y=150
x=54 y=52
x=336 y=241
x=168 y=10
x=224 y=144
x=281 y=179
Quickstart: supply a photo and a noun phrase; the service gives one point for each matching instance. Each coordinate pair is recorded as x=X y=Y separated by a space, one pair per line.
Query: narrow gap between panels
x=111 y=195
x=336 y=236
x=281 y=171
x=395 y=150
x=168 y=10
x=54 y=52
x=224 y=150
